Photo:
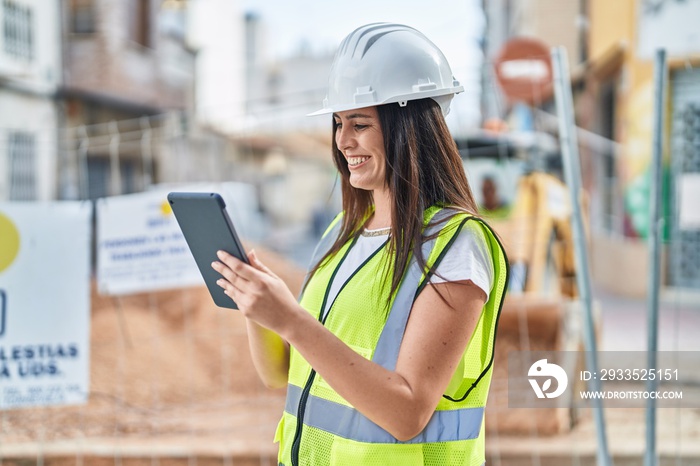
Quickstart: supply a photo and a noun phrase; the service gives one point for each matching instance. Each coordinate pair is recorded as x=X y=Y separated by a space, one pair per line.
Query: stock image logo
x=543 y=371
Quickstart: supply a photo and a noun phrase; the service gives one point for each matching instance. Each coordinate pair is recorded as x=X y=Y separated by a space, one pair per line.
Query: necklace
x=379 y=232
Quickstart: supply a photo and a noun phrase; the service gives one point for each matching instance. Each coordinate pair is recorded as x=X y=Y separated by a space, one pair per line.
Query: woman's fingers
x=238 y=267
x=246 y=278
x=225 y=284
x=228 y=287
x=258 y=292
x=228 y=273
x=230 y=290
x=230 y=267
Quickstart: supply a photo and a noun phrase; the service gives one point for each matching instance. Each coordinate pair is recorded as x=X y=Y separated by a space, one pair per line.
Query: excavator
x=533 y=221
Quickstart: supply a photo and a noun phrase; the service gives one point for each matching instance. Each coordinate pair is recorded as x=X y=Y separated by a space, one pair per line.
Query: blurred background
x=112 y=352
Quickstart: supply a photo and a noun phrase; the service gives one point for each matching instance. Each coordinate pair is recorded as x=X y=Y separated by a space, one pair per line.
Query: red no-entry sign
x=524 y=70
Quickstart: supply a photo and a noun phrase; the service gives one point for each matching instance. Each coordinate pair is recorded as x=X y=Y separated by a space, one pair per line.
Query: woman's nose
x=344 y=139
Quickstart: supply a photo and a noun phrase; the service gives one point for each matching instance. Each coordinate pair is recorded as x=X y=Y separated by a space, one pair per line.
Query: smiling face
x=358 y=136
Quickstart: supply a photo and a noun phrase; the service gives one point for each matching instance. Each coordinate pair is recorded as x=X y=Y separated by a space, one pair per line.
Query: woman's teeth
x=356 y=160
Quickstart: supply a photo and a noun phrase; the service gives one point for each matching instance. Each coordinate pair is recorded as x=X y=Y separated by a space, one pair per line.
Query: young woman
x=387 y=357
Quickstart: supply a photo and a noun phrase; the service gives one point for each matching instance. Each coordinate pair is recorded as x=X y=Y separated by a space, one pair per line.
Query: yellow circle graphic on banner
x=165 y=208
x=9 y=242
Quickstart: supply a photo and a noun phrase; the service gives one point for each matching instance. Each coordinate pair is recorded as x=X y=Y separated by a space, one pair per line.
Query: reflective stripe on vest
x=346 y=422
x=387 y=351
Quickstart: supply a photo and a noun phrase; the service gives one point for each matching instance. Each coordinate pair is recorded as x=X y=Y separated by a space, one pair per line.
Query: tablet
x=207 y=228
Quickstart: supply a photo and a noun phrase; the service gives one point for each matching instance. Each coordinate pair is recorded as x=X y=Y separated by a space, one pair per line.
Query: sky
x=454 y=26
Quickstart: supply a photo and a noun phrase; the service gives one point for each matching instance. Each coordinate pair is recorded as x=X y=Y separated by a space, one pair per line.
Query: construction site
x=580 y=148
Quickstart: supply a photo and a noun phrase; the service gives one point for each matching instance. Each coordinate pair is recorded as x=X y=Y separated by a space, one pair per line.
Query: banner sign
x=44 y=303
x=671 y=25
x=140 y=247
x=688 y=195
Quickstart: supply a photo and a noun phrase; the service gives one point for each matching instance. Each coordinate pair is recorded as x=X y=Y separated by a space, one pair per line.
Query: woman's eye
x=360 y=127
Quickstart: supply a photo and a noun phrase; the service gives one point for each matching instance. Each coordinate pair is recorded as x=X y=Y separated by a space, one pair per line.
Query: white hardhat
x=384 y=63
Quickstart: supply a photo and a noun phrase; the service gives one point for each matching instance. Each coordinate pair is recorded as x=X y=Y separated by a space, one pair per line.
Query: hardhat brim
x=392 y=100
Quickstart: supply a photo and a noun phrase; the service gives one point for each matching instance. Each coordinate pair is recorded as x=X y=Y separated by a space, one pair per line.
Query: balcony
x=119 y=69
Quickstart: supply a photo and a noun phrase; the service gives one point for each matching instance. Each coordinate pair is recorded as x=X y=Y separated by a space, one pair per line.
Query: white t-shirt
x=467 y=259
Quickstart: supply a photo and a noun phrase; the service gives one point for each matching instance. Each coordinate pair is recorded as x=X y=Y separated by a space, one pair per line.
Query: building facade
x=126 y=65
x=30 y=76
x=623 y=38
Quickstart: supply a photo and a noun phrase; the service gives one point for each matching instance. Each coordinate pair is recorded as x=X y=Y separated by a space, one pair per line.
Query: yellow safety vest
x=332 y=432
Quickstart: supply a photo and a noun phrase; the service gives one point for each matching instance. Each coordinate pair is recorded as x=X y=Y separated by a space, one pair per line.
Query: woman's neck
x=382 y=210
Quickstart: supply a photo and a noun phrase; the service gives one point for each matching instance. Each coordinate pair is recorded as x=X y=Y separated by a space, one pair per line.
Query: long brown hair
x=423 y=168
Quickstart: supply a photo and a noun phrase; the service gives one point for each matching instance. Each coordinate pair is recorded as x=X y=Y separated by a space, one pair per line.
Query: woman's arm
x=270 y=354
x=401 y=401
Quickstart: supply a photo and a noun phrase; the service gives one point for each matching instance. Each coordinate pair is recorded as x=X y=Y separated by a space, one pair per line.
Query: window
x=82 y=16
x=17 y=30
x=140 y=17
x=98 y=177
x=22 y=158
x=100 y=172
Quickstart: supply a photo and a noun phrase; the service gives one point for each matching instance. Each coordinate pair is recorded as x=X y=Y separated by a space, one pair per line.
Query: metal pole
x=83 y=172
x=572 y=174
x=147 y=152
x=655 y=225
x=114 y=168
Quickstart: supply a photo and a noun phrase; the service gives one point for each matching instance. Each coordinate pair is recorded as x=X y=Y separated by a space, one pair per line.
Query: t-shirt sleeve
x=468 y=258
